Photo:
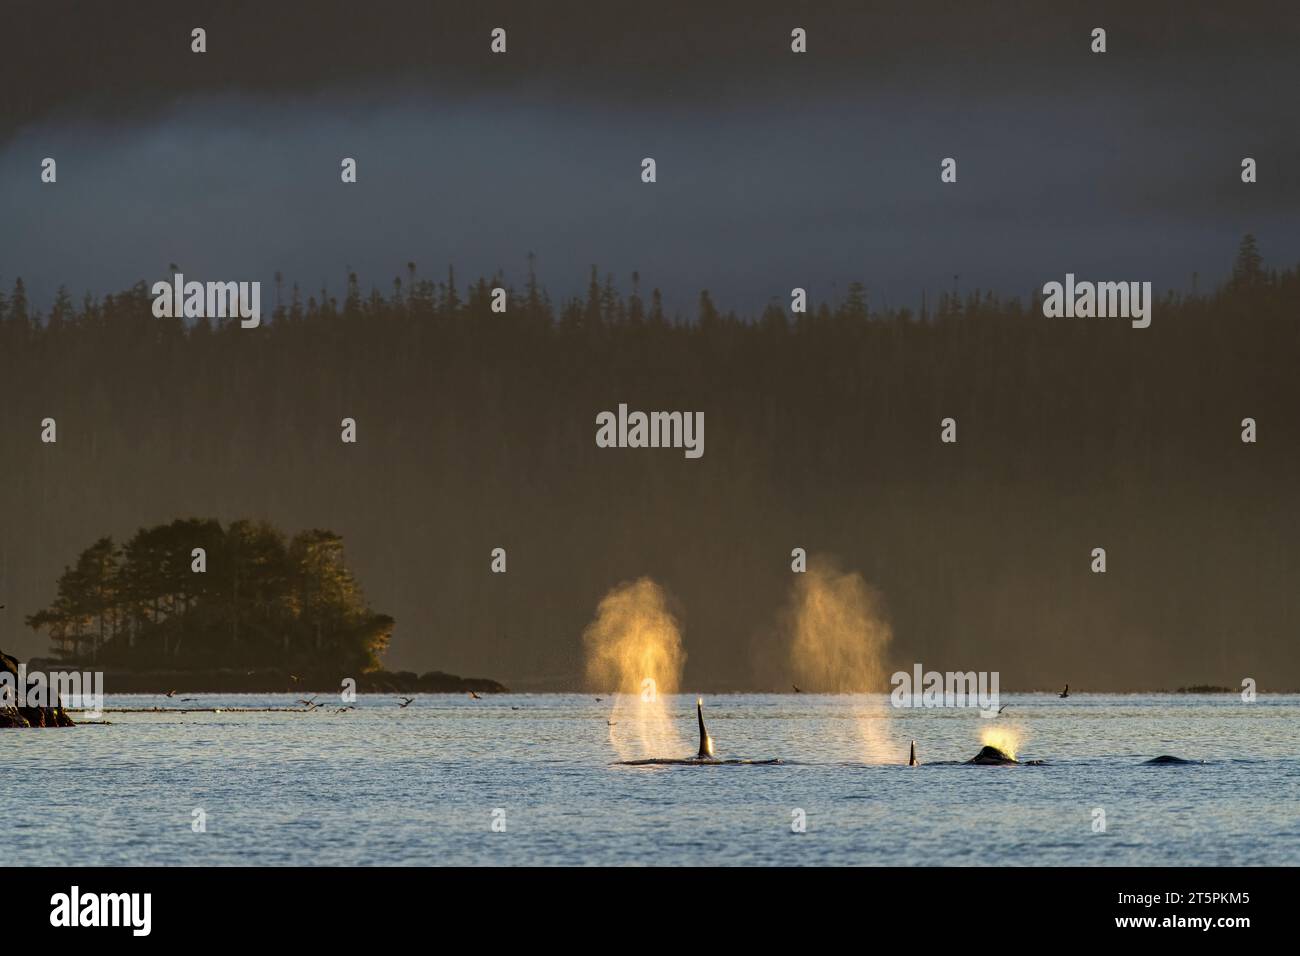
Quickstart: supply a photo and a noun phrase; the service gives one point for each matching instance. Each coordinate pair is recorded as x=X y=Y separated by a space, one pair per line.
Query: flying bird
x=1066 y=692
x=170 y=693
x=1002 y=708
x=796 y=688
x=475 y=696
x=406 y=702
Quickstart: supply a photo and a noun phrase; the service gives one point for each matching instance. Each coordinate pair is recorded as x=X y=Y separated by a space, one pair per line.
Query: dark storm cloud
x=118 y=61
x=750 y=201
x=775 y=170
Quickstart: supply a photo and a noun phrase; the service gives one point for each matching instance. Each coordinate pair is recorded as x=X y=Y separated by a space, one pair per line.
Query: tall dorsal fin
x=911 y=759
x=706 y=742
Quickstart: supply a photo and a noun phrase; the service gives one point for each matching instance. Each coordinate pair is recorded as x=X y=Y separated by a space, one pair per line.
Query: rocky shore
x=12 y=715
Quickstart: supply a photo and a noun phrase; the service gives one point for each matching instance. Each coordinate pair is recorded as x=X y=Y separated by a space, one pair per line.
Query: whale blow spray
x=634 y=648
x=838 y=636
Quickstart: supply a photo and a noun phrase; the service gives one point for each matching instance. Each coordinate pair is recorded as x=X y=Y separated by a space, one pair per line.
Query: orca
x=993 y=757
x=706 y=742
x=703 y=758
x=987 y=757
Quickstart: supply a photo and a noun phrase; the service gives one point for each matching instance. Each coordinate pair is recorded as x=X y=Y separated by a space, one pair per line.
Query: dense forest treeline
x=476 y=430
x=192 y=594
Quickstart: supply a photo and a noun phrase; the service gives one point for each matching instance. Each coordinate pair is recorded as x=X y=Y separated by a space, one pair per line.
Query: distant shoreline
x=280 y=680
x=276 y=681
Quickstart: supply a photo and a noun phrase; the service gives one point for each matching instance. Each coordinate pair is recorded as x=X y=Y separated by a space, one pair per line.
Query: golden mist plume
x=838 y=637
x=839 y=633
x=634 y=648
x=1004 y=737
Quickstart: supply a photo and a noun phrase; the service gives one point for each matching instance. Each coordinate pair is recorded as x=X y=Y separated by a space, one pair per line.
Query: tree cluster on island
x=192 y=595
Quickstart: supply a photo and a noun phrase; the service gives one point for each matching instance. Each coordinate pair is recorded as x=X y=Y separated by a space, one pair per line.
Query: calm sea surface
x=382 y=785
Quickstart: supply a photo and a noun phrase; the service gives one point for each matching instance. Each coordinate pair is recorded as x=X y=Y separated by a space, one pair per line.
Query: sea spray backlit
x=838 y=638
x=634 y=648
x=1004 y=737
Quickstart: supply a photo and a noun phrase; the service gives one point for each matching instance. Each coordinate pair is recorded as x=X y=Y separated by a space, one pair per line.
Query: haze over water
x=380 y=785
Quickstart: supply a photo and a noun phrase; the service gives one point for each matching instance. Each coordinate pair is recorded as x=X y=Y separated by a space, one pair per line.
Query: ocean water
x=423 y=785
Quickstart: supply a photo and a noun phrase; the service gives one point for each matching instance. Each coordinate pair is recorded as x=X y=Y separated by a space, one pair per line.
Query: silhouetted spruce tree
x=261 y=602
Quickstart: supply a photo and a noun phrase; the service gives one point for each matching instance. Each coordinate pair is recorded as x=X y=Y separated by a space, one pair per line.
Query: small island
x=194 y=606
x=14 y=712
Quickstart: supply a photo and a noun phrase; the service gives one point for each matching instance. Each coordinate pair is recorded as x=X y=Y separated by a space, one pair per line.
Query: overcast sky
x=775 y=170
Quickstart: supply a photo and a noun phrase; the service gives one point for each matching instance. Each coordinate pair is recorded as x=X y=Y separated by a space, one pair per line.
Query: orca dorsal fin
x=706 y=742
x=911 y=758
